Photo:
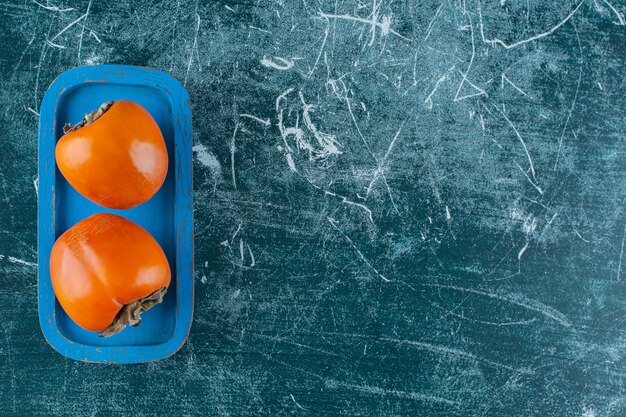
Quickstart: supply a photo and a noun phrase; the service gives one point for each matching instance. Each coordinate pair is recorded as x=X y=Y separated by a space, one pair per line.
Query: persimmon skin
x=119 y=160
x=102 y=263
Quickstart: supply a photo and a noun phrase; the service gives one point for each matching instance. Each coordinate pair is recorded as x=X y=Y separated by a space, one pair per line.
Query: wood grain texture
x=401 y=208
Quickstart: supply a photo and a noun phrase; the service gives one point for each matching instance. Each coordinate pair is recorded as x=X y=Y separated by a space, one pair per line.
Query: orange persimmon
x=106 y=270
x=115 y=156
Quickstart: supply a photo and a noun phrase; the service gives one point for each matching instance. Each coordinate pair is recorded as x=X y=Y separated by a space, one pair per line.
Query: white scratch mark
x=284 y=131
x=444 y=350
x=448 y=215
x=486 y=108
x=230 y=8
x=489 y=323
x=571 y=109
x=232 y=155
x=519 y=136
x=42 y=55
x=464 y=79
x=343 y=96
x=384 y=392
x=384 y=161
x=296 y=403
x=521 y=252
x=530 y=161
x=194 y=48
x=68 y=26
x=252 y=261
x=374 y=20
x=317 y=60
x=552 y=219
x=36 y=113
x=241 y=249
x=428 y=32
x=53 y=8
x=259 y=29
x=344 y=200
x=524 y=41
x=36 y=185
x=621 y=256
x=528 y=178
x=618 y=14
x=93 y=34
x=82 y=31
x=384 y=25
x=585 y=240
x=265 y=122
x=515 y=299
x=479 y=91
x=369 y=150
x=55 y=45
x=21 y=262
x=290 y=162
x=278 y=63
x=429 y=101
x=327 y=141
x=505 y=78
x=333 y=223
x=431 y=24
x=232 y=239
x=554 y=216
x=282 y=340
x=530 y=225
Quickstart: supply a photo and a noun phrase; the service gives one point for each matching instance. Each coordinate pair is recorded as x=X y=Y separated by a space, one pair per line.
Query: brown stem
x=130 y=313
x=89 y=117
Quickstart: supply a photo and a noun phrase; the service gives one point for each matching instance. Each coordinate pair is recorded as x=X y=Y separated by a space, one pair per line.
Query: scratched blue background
x=401 y=208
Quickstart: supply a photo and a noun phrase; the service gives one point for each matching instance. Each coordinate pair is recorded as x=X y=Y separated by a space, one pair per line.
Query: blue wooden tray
x=167 y=216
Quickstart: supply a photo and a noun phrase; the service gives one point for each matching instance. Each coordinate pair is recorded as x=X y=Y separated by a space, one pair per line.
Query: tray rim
x=183 y=212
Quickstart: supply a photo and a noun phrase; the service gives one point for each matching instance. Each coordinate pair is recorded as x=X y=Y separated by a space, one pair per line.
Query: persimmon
x=106 y=270
x=115 y=157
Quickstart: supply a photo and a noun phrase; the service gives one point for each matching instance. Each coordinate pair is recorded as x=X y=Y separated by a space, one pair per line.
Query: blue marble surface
x=401 y=208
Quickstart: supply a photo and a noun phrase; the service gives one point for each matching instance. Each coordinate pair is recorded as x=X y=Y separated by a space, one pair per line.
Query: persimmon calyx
x=130 y=313
x=89 y=118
